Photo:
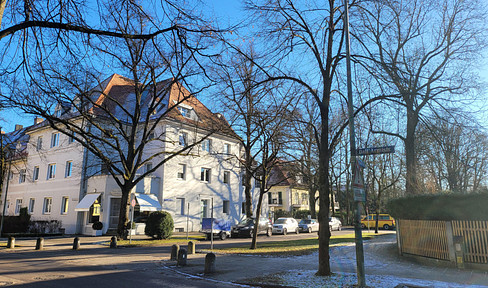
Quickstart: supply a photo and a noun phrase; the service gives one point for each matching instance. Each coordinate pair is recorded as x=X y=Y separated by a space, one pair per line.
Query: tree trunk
x=123 y=213
x=412 y=187
x=258 y=214
x=311 y=201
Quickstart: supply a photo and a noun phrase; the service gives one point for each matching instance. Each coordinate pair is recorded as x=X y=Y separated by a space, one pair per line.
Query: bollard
x=174 y=251
x=40 y=243
x=113 y=242
x=191 y=247
x=76 y=243
x=11 y=242
x=181 y=257
x=209 y=263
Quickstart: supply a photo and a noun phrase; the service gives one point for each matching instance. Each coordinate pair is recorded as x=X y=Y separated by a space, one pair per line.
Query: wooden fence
x=437 y=239
x=475 y=236
x=424 y=238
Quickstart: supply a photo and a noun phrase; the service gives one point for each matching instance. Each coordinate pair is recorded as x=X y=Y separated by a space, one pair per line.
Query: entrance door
x=204 y=204
x=114 y=213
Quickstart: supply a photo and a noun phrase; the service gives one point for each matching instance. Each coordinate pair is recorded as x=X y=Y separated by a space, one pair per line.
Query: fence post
x=450 y=242
x=209 y=263
x=191 y=247
x=11 y=242
x=174 y=252
x=182 y=255
x=113 y=242
x=76 y=243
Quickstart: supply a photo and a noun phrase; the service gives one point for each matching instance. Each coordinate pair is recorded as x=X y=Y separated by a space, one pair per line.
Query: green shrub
x=445 y=207
x=282 y=213
x=302 y=214
x=159 y=225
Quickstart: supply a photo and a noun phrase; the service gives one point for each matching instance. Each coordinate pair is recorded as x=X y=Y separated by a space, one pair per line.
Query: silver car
x=308 y=225
x=335 y=224
x=284 y=225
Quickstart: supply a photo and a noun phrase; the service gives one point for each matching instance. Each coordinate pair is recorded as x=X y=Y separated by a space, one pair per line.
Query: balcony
x=275 y=202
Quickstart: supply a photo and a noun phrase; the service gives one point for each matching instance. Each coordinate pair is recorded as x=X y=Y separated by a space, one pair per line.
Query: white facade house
x=58 y=179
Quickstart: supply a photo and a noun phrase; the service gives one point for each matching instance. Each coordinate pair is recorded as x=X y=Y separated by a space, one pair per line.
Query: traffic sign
x=359 y=194
x=133 y=203
x=376 y=150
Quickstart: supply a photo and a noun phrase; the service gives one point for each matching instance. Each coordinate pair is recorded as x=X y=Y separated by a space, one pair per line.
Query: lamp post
x=357 y=219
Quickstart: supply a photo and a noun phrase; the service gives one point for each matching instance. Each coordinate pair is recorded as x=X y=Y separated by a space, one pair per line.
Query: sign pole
x=211 y=227
x=354 y=164
x=187 y=219
x=132 y=205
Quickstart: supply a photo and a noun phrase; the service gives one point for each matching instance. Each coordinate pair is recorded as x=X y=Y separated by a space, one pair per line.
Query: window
x=205 y=175
x=39 y=143
x=22 y=176
x=64 y=205
x=18 y=205
x=71 y=138
x=185 y=112
x=206 y=145
x=54 y=139
x=183 y=139
x=226 y=177
x=280 y=197
x=147 y=167
x=204 y=207
x=226 y=148
x=243 y=206
x=48 y=201
x=35 y=173
x=180 y=206
x=69 y=166
x=225 y=206
x=150 y=136
x=51 y=171
x=181 y=171
x=32 y=201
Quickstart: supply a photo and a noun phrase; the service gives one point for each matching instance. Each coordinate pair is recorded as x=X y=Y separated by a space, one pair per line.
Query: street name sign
x=376 y=150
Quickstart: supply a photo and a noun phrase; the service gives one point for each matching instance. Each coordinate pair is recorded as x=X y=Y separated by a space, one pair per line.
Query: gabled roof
x=285 y=173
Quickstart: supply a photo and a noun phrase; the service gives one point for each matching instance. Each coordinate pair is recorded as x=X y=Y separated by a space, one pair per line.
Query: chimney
x=38 y=120
x=18 y=127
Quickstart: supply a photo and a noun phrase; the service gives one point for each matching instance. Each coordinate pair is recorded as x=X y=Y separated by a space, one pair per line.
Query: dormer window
x=185 y=112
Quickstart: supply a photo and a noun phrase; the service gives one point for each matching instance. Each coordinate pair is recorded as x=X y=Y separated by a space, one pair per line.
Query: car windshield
x=246 y=221
x=280 y=221
x=305 y=221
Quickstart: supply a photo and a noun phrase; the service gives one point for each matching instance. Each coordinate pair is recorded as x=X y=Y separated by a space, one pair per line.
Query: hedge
x=445 y=207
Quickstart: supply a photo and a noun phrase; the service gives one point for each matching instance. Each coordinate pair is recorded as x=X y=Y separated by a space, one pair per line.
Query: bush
x=17 y=224
x=445 y=207
x=97 y=225
x=159 y=225
x=282 y=213
x=302 y=214
x=42 y=227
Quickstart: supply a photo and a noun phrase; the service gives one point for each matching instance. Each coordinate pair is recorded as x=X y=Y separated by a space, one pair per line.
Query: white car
x=335 y=224
x=284 y=225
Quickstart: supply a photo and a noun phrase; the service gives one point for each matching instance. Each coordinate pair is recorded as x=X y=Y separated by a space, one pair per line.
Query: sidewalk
x=383 y=266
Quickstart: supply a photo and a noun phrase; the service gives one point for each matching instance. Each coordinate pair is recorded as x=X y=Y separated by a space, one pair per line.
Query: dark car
x=245 y=228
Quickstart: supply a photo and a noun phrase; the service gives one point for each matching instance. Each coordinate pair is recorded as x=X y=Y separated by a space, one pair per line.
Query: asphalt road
x=96 y=265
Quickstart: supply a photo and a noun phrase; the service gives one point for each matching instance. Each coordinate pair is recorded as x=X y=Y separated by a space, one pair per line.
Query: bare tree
x=119 y=121
x=421 y=51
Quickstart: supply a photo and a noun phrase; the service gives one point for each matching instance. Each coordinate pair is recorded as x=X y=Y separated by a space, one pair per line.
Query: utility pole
x=354 y=166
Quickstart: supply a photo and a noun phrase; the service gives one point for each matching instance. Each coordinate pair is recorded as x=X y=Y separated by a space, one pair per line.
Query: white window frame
x=51 y=171
x=226 y=177
x=183 y=139
x=68 y=169
x=227 y=148
x=35 y=173
x=205 y=174
x=22 y=173
x=32 y=203
x=206 y=145
x=71 y=138
x=185 y=112
x=181 y=174
x=18 y=205
x=64 y=205
x=47 y=207
x=39 y=143
x=226 y=207
x=147 y=167
x=55 y=139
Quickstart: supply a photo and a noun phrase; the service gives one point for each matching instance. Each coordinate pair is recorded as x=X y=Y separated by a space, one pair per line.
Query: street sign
x=358 y=182
x=376 y=150
x=133 y=203
x=359 y=194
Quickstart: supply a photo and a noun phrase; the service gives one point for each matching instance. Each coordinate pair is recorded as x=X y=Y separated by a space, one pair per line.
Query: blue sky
x=227 y=11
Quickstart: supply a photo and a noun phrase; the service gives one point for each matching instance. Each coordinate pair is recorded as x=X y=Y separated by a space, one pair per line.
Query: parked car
x=335 y=224
x=308 y=225
x=245 y=228
x=385 y=221
x=284 y=225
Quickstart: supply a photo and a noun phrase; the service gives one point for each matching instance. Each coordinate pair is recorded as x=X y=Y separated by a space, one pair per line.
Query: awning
x=86 y=202
x=148 y=202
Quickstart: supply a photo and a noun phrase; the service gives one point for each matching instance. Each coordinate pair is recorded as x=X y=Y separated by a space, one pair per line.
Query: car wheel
x=269 y=232
x=363 y=226
x=386 y=227
x=223 y=235
x=284 y=231
x=207 y=236
x=309 y=229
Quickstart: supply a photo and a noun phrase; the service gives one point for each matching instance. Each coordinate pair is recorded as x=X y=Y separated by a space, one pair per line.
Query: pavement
x=99 y=266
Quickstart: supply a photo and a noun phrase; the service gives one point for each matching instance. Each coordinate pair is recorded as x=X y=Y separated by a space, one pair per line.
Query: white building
x=57 y=179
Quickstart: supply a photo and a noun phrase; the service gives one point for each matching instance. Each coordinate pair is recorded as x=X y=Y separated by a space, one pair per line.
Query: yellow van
x=385 y=221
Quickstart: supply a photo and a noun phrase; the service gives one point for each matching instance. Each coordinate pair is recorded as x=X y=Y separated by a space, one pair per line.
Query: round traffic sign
x=133 y=203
